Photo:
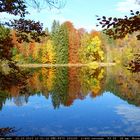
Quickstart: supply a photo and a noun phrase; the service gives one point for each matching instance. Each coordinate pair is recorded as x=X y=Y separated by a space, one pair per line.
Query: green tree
x=60 y=40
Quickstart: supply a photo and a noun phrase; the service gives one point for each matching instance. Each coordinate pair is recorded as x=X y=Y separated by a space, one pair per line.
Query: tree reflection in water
x=124 y=84
x=66 y=84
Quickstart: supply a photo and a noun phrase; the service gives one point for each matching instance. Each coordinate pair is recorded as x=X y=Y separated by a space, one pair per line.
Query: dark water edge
x=73 y=102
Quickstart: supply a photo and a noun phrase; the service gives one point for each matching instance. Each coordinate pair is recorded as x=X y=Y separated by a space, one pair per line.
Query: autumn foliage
x=62 y=46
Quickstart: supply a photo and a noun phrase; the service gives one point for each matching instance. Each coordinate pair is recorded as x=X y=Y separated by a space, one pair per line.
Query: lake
x=71 y=101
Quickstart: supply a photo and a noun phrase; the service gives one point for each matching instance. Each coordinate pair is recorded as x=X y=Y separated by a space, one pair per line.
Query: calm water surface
x=71 y=102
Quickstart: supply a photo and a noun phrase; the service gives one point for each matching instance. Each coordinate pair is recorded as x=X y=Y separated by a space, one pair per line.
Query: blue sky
x=82 y=12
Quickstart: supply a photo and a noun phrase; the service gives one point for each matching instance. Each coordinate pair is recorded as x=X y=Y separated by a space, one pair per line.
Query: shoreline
x=66 y=65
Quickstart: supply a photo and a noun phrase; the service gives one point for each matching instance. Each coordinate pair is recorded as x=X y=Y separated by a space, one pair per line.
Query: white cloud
x=127 y=5
x=130 y=113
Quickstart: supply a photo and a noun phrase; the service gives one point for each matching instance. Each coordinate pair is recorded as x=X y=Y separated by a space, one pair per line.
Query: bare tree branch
x=39 y=5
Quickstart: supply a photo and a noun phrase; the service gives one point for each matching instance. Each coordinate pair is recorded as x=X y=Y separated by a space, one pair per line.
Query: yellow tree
x=92 y=51
x=48 y=53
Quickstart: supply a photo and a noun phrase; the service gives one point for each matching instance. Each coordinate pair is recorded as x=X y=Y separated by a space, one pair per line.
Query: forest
x=65 y=44
x=25 y=41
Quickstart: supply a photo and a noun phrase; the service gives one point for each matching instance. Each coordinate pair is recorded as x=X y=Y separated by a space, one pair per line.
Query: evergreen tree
x=60 y=40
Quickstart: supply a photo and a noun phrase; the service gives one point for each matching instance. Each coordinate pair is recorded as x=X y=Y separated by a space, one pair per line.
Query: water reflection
x=124 y=84
x=71 y=101
x=66 y=84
